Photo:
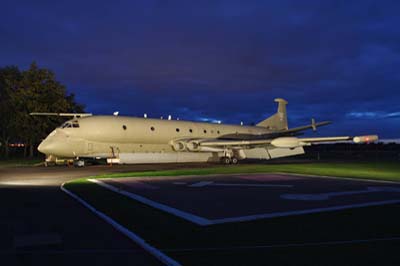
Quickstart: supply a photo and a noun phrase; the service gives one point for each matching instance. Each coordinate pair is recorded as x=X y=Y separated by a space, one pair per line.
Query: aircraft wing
x=281 y=142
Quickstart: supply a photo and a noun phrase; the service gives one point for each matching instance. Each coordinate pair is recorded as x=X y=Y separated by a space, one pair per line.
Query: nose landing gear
x=79 y=163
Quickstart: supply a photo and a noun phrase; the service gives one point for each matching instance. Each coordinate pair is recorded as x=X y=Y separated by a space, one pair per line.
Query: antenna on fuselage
x=75 y=115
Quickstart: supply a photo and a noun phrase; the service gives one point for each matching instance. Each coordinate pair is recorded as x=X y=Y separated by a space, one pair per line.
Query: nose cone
x=44 y=147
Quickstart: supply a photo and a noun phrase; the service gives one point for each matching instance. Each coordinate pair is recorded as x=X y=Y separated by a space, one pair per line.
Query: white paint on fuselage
x=144 y=140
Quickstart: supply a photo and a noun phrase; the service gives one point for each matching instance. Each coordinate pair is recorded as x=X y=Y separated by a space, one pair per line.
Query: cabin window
x=152 y=128
x=177 y=130
x=205 y=131
x=191 y=130
x=124 y=127
x=218 y=132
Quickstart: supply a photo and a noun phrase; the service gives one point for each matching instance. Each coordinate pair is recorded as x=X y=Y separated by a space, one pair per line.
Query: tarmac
x=41 y=225
x=207 y=200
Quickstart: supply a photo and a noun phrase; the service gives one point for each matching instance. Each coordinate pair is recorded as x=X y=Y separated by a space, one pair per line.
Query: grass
x=19 y=162
x=366 y=170
x=190 y=244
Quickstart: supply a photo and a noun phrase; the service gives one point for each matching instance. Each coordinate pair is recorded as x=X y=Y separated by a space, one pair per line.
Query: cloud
x=226 y=60
x=373 y=115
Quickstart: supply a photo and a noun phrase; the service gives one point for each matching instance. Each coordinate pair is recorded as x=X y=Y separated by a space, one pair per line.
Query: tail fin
x=277 y=121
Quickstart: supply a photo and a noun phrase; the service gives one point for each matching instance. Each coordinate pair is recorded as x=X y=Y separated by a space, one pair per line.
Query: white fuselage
x=144 y=140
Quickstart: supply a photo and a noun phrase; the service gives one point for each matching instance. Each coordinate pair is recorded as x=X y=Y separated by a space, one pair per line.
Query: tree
x=33 y=90
x=39 y=91
x=9 y=79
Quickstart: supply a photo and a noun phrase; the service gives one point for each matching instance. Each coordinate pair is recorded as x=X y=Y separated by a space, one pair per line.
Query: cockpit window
x=74 y=124
x=66 y=125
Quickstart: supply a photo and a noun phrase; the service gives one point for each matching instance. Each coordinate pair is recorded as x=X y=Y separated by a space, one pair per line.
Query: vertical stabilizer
x=278 y=121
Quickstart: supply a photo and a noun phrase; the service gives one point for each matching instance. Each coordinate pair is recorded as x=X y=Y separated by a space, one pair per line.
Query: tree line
x=32 y=90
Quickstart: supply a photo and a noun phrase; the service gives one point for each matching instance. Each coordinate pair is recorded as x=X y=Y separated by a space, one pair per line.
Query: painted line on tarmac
x=289 y=245
x=182 y=214
x=306 y=211
x=249 y=185
x=328 y=195
x=341 y=178
x=177 y=250
x=201 y=184
x=131 y=235
x=72 y=251
x=212 y=183
x=204 y=221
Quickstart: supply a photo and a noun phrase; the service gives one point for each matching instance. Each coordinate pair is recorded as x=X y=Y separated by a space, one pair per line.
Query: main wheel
x=234 y=160
x=226 y=160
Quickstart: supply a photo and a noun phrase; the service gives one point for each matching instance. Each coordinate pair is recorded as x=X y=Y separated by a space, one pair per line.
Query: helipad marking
x=136 y=184
x=179 y=183
x=249 y=185
x=204 y=221
x=211 y=183
x=300 y=212
x=326 y=196
x=131 y=235
x=201 y=184
x=182 y=214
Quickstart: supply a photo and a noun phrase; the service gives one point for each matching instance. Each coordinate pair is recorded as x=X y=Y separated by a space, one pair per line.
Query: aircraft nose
x=43 y=147
x=47 y=146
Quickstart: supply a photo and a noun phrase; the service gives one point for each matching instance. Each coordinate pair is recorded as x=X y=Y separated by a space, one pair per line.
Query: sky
x=218 y=60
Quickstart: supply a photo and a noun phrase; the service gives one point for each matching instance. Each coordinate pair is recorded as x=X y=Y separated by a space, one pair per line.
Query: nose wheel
x=79 y=163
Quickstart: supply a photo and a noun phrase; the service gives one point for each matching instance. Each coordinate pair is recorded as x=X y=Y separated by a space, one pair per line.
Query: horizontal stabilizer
x=313 y=126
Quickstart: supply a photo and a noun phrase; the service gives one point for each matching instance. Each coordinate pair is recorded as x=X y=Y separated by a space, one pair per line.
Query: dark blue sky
x=226 y=60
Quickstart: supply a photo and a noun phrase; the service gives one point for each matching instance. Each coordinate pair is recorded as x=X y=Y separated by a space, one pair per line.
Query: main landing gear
x=79 y=163
x=229 y=160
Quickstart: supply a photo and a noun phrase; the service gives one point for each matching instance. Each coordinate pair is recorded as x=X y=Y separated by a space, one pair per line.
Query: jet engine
x=178 y=145
x=193 y=145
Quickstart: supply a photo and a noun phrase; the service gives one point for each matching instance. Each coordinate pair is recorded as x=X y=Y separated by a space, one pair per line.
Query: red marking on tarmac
x=269 y=177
